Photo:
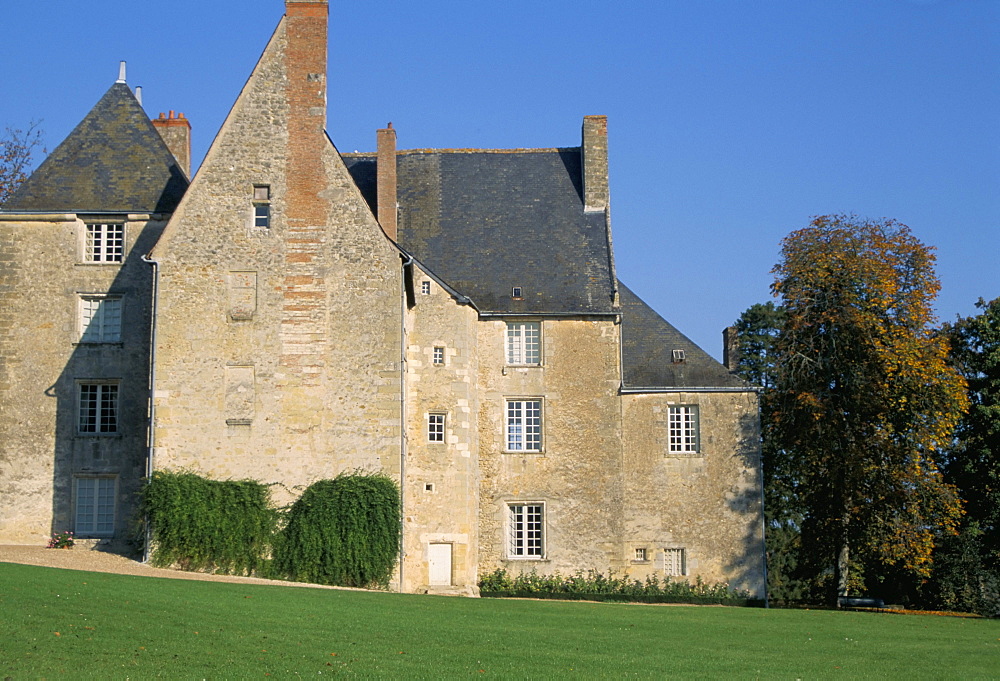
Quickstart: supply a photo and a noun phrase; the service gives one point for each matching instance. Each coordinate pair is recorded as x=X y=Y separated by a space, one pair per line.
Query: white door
x=439 y=564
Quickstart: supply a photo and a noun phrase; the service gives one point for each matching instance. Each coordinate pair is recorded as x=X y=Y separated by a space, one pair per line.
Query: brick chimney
x=595 y=163
x=731 y=348
x=306 y=26
x=386 y=180
x=176 y=133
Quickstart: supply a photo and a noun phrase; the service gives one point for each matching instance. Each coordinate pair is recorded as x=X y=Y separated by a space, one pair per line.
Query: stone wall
x=42 y=361
x=577 y=476
x=441 y=480
x=707 y=503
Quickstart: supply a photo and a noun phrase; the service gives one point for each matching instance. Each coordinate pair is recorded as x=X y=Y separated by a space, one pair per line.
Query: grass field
x=62 y=623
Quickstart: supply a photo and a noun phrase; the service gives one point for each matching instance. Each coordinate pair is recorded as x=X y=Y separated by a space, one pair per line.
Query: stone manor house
x=450 y=317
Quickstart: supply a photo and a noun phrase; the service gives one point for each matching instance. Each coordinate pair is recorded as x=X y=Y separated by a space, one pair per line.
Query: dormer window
x=515 y=293
x=678 y=356
x=262 y=206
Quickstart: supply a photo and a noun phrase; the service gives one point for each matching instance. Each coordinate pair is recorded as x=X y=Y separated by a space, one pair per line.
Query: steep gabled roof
x=113 y=161
x=648 y=342
x=486 y=221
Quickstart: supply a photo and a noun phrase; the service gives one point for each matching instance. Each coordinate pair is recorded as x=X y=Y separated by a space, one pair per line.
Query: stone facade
x=310 y=319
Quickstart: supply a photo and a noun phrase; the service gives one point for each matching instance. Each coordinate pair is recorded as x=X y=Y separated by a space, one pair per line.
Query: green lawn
x=83 y=624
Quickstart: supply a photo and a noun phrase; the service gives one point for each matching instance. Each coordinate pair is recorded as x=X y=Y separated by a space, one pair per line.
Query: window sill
x=97 y=436
x=525 y=452
x=532 y=559
x=89 y=344
x=115 y=263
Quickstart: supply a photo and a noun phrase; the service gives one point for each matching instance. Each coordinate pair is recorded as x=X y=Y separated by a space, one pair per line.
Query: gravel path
x=101 y=561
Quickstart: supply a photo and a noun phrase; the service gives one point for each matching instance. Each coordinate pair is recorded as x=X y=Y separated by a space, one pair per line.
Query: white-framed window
x=438 y=357
x=674 y=562
x=97 y=408
x=425 y=287
x=105 y=242
x=524 y=426
x=100 y=319
x=95 y=506
x=640 y=554
x=262 y=206
x=683 y=429
x=435 y=427
x=524 y=343
x=525 y=530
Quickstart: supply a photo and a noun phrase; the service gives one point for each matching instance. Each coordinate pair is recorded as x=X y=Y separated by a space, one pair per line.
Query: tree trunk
x=842 y=569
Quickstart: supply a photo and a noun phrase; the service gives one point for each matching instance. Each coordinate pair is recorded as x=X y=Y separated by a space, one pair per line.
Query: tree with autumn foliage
x=864 y=397
x=16 y=151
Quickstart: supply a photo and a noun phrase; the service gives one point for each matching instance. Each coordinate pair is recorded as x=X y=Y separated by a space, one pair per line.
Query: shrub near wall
x=343 y=532
x=199 y=524
x=593 y=586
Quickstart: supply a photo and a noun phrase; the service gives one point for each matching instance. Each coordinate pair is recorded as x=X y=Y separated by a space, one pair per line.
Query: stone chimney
x=305 y=66
x=386 y=180
x=176 y=133
x=595 y=163
x=731 y=348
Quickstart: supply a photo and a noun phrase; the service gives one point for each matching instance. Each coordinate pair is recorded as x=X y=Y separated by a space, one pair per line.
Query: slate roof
x=648 y=342
x=113 y=161
x=486 y=221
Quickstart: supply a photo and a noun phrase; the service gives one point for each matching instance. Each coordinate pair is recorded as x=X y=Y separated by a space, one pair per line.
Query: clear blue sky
x=732 y=122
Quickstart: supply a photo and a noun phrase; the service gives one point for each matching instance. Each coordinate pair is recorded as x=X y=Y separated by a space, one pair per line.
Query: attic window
x=425 y=287
x=516 y=293
x=678 y=356
x=262 y=206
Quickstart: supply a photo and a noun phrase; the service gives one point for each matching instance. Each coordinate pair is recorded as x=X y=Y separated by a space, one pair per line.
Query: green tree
x=17 y=148
x=863 y=396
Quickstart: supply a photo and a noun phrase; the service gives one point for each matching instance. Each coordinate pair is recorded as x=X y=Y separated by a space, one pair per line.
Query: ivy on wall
x=343 y=531
x=200 y=524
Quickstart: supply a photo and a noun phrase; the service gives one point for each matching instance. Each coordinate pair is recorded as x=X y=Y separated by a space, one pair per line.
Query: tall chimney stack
x=731 y=348
x=595 y=163
x=176 y=133
x=386 y=180
x=305 y=66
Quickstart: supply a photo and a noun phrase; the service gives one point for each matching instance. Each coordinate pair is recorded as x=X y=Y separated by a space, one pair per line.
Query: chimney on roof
x=121 y=72
x=305 y=92
x=595 y=163
x=176 y=134
x=731 y=348
x=386 y=180
x=138 y=94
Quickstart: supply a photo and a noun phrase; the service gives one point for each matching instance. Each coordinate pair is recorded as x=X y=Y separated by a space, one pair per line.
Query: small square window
x=516 y=293
x=525 y=530
x=438 y=355
x=425 y=287
x=428 y=486
x=97 y=409
x=105 y=242
x=640 y=553
x=678 y=356
x=261 y=192
x=524 y=343
x=674 y=562
x=435 y=427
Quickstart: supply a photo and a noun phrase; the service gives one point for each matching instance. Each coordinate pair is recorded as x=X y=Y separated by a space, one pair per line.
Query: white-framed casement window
x=640 y=555
x=105 y=242
x=524 y=346
x=97 y=408
x=425 y=287
x=100 y=319
x=674 y=562
x=262 y=206
x=438 y=356
x=435 y=427
x=524 y=426
x=95 y=506
x=526 y=530
x=683 y=429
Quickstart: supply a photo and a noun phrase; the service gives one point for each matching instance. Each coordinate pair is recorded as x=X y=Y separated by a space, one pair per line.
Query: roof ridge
x=429 y=150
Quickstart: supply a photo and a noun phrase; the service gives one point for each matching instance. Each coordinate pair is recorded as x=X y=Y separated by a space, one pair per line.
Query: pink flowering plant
x=61 y=540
